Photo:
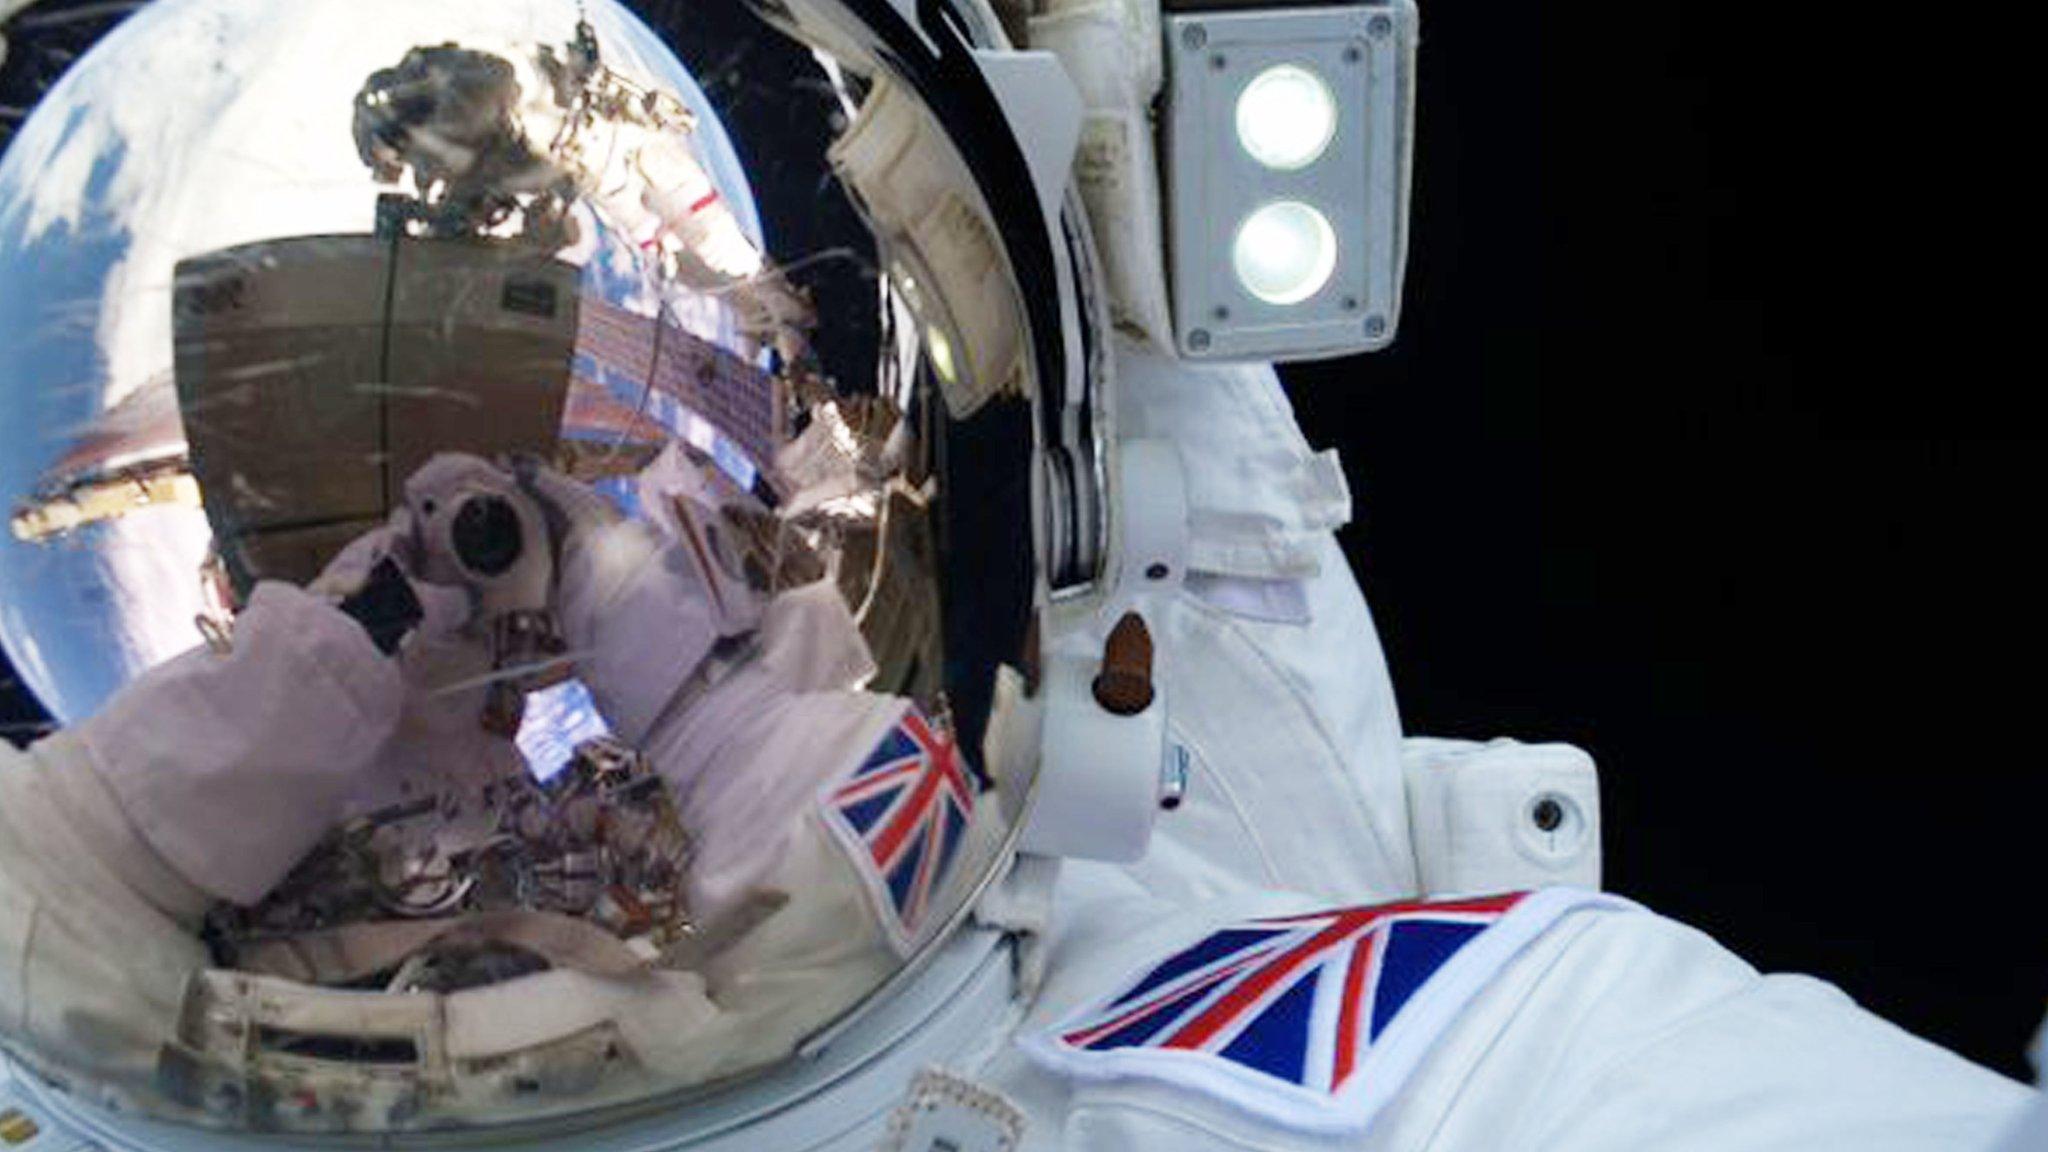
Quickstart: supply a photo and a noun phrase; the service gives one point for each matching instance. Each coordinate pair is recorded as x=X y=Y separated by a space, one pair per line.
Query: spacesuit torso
x=1608 y=1026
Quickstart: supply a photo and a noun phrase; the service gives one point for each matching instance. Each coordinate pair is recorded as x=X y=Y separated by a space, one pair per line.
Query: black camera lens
x=486 y=535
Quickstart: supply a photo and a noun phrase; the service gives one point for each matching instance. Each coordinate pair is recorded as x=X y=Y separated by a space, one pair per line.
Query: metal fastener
x=1124 y=686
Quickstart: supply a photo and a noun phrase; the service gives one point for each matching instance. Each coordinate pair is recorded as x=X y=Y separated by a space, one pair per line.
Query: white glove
x=445 y=666
x=444 y=610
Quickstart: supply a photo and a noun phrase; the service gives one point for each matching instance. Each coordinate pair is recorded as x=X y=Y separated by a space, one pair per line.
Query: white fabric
x=259 y=748
x=1295 y=775
x=1471 y=808
x=2030 y=1132
x=1111 y=50
x=745 y=764
x=1385 y=1065
x=1616 y=1029
x=1261 y=502
x=92 y=970
x=810 y=641
x=621 y=585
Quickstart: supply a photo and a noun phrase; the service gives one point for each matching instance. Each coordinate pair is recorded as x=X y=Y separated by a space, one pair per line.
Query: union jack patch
x=904 y=814
x=1315 y=1021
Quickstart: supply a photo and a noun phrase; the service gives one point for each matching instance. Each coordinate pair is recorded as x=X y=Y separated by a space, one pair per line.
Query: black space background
x=1696 y=449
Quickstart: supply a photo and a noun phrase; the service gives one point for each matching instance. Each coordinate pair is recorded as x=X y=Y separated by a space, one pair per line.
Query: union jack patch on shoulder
x=904 y=814
x=1314 y=1021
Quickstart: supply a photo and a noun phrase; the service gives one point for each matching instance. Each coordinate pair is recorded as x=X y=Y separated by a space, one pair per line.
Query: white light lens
x=1286 y=117
x=1284 y=252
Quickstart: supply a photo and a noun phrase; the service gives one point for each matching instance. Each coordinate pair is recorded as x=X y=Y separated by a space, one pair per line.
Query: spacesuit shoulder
x=1569 y=1021
x=1640 y=1032
x=1311 y=1022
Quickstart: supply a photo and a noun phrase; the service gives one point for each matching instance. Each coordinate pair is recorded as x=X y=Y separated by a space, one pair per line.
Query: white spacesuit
x=1595 y=1024
x=1177 y=882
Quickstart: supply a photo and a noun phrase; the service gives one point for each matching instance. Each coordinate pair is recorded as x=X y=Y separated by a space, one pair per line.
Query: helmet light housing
x=1287 y=145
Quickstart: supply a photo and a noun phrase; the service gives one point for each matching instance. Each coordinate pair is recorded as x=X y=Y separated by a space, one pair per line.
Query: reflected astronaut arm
x=747 y=732
x=797 y=933
x=208 y=778
x=94 y=942
x=744 y=710
x=233 y=764
x=682 y=197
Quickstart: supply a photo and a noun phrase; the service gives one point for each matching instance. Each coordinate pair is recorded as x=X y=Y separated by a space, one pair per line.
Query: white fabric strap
x=349 y=953
x=1261 y=503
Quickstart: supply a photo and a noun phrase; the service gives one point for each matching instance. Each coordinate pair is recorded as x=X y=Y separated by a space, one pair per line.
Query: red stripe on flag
x=862 y=786
x=1084 y=1037
x=1204 y=1028
x=1347 y=1019
x=907 y=817
x=945 y=756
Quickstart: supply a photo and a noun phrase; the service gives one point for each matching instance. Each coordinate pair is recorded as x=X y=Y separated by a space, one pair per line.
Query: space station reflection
x=719 y=484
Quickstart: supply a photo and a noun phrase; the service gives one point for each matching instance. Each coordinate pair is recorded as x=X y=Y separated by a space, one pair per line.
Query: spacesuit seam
x=20 y=1025
x=1269 y=557
x=1236 y=806
x=1316 y=724
x=1176 y=1118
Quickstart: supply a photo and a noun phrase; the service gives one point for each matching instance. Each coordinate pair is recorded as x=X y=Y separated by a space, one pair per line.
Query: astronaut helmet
x=695 y=402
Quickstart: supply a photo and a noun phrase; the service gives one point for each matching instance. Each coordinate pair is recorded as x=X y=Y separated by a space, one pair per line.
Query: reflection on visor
x=678 y=373
x=557 y=720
